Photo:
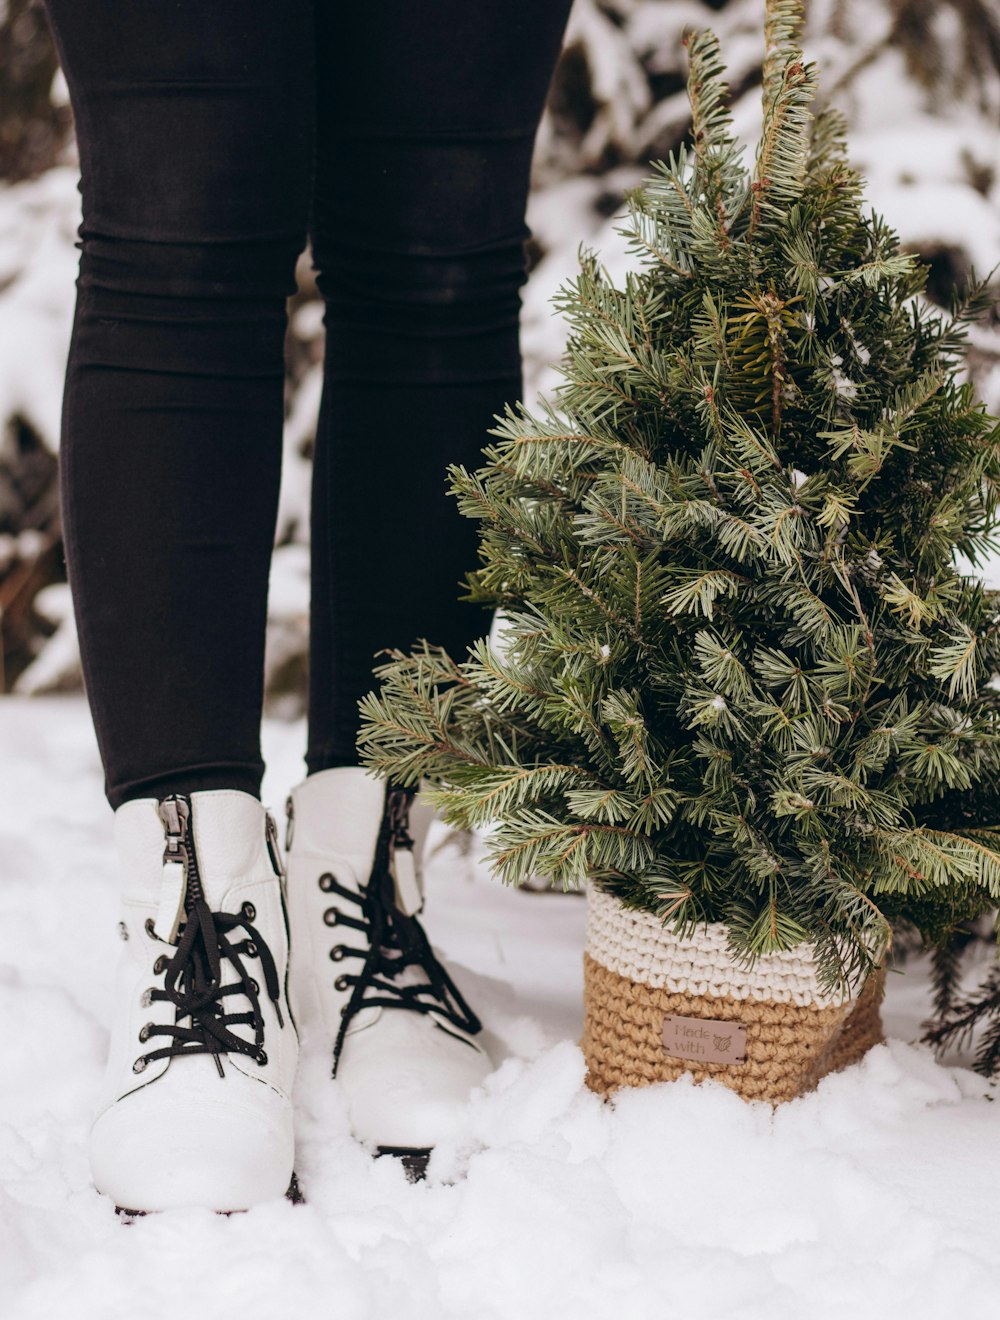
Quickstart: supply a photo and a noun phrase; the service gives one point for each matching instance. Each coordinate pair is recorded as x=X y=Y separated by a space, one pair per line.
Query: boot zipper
x=397 y=810
x=402 y=863
x=272 y=845
x=175 y=812
x=289 y=822
x=182 y=886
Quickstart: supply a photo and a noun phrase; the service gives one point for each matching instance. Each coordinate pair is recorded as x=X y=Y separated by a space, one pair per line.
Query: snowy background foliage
x=918 y=79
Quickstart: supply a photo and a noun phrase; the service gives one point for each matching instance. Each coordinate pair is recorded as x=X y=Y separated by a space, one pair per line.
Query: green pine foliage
x=741 y=678
x=961 y=1015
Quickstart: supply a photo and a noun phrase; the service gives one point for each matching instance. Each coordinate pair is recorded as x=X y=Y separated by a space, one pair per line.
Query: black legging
x=214 y=137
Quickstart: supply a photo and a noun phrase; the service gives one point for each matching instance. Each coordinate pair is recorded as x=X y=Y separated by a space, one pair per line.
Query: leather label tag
x=704 y=1039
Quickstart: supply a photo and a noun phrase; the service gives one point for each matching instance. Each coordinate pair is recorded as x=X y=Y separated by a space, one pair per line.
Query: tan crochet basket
x=657 y=1007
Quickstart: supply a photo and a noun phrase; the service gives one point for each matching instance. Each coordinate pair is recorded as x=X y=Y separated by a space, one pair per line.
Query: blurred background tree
x=918 y=79
x=34 y=128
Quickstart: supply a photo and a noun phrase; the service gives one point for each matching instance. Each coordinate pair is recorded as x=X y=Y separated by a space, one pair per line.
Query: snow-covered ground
x=878 y=1194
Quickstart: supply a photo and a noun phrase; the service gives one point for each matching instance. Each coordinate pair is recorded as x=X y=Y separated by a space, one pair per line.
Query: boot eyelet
x=251 y=949
x=341 y=983
x=144 y=1032
x=337 y=952
x=147 y=999
x=140 y=1064
x=122 y=930
x=331 y=916
x=261 y=1058
x=150 y=928
x=254 y=986
x=326 y=882
x=249 y=911
x=160 y=964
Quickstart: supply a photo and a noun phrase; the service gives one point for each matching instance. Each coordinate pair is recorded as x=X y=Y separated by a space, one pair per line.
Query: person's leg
x=195 y=126
x=426 y=122
x=427 y=116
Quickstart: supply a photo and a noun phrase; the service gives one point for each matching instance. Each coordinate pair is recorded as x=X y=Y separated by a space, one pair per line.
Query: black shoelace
x=193 y=983
x=394 y=943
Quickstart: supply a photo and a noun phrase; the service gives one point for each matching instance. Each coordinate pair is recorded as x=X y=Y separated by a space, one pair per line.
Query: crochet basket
x=657 y=1006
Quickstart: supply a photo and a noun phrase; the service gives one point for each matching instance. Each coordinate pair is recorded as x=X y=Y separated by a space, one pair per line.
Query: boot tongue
x=227 y=826
x=339 y=812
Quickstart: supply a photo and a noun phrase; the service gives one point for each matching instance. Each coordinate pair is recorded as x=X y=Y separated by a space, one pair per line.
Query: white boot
x=404 y=1044
x=197 y=1109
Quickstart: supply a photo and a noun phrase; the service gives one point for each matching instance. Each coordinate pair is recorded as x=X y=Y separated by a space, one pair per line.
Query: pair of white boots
x=227 y=953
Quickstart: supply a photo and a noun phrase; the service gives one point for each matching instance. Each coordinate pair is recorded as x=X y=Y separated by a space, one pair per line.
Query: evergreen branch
x=783 y=153
x=715 y=148
x=782 y=34
x=514 y=786
x=698 y=592
x=571 y=575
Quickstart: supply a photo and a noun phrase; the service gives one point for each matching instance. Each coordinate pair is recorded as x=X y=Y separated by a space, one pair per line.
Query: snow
x=877 y=1193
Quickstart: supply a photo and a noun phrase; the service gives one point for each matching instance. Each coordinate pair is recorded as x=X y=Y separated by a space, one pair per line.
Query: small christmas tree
x=742 y=679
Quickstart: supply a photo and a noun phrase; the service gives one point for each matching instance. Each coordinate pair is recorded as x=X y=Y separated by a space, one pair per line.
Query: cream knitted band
x=638 y=946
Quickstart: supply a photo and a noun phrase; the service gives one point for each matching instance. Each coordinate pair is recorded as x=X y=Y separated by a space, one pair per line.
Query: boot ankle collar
x=338 y=811
x=229 y=831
